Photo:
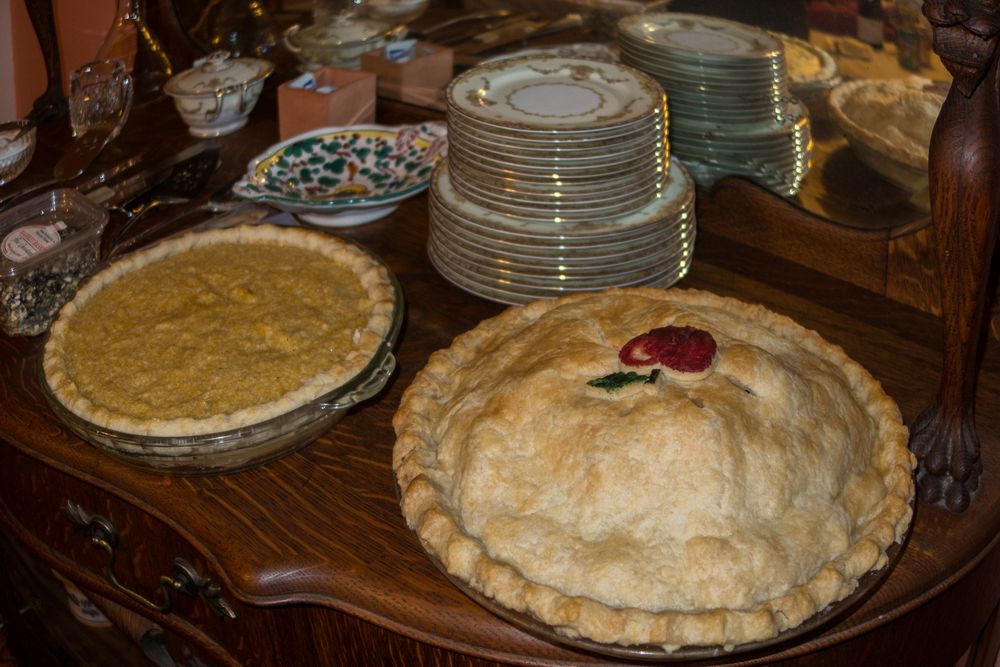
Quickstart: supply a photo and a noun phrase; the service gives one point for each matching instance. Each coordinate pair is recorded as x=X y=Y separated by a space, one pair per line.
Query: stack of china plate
x=730 y=108
x=812 y=72
x=515 y=260
x=554 y=139
x=557 y=180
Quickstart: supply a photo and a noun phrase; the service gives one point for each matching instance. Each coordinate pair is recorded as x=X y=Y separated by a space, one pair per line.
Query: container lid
x=217 y=72
x=45 y=228
x=341 y=31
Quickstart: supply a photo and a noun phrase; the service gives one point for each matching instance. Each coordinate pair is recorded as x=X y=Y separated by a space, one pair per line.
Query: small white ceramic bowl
x=340 y=41
x=15 y=155
x=345 y=176
x=216 y=96
x=396 y=11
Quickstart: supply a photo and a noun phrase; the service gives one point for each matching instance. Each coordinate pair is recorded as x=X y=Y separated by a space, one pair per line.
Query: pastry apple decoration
x=683 y=353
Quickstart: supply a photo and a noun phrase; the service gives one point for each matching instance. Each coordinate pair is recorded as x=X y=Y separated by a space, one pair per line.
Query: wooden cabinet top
x=322 y=526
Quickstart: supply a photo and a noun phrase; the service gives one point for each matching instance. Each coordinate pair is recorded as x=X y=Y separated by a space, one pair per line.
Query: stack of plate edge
x=764 y=137
x=515 y=261
x=543 y=168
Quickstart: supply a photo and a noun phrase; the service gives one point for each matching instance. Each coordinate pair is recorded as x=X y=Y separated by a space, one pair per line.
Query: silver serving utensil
x=185 y=181
x=83 y=151
x=460 y=28
x=87 y=186
x=482 y=15
x=116 y=192
x=243 y=210
x=515 y=32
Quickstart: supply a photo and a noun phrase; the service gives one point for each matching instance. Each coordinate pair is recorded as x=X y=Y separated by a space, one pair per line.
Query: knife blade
x=505 y=34
x=83 y=151
x=429 y=32
x=463 y=32
x=511 y=34
x=84 y=186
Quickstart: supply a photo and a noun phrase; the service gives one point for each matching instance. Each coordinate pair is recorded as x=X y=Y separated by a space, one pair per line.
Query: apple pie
x=646 y=466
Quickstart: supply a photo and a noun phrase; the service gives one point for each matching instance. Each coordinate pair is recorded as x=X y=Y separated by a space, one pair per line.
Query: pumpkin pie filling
x=223 y=332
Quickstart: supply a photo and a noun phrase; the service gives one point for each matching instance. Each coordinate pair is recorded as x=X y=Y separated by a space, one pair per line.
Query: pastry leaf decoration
x=682 y=349
x=615 y=381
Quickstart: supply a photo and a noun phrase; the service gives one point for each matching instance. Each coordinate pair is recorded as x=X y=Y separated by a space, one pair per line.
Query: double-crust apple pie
x=653 y=467
x=219 y=329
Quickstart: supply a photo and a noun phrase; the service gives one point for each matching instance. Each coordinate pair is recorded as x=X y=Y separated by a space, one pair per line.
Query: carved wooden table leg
x=965 y=204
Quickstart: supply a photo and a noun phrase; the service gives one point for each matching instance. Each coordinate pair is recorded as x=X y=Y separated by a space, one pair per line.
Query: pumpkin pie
x=645 y=466
x=216 y=330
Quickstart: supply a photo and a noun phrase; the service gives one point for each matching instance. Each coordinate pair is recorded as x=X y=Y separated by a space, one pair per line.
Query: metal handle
x=287 y=35
x=366 y=389
x=185 y=579
x=214 y=114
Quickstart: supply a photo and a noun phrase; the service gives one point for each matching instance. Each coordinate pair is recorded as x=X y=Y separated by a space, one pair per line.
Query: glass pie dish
x=251 y=445
x=888 y=125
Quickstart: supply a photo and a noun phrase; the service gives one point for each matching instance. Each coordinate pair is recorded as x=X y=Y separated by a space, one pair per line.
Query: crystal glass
x=99 y=92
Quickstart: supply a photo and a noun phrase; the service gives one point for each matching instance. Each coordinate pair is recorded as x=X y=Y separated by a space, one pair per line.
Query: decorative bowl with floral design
x=345 y=176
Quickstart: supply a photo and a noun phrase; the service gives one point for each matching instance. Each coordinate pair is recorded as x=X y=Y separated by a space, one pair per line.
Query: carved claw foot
x=948 y=453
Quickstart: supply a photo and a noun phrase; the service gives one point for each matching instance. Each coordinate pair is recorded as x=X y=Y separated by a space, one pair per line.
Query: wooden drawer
x=56 y=515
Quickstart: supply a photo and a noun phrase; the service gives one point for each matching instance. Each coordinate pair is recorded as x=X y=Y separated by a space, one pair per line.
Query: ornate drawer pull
x=185 y=579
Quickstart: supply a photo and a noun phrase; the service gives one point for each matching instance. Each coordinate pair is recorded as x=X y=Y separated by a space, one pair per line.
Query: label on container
x=25 y=242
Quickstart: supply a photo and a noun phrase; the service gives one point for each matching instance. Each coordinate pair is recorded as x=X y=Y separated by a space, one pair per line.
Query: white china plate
x=676 y=194
x=624 y=256
x=673 y=230
x=551 y=93
x=653 y=148
x=565 y=278
x=561 y=135
x=585 y=172
x=701 y=37
x=514 y=294
x=557 y=192
x=510 y=174
x=558 y=145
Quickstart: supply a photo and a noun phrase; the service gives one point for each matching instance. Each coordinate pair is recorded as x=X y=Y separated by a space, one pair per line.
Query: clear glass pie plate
x=252 y=445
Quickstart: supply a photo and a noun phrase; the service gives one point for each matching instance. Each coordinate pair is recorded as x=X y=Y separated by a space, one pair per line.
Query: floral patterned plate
x=345 y=176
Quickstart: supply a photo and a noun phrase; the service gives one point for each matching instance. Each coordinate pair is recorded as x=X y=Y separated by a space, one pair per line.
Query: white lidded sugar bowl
x=216 y=96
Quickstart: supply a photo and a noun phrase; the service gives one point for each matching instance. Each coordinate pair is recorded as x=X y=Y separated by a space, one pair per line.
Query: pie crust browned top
x=217 y=330
x=717 y=508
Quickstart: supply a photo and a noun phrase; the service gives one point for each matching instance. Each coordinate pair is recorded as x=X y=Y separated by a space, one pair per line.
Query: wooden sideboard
x=311 y=552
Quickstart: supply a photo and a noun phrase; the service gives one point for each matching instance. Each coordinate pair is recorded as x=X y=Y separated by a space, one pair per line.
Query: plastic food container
x=48 y=246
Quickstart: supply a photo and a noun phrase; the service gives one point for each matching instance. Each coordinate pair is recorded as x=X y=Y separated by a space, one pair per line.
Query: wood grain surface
x=312 y=549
